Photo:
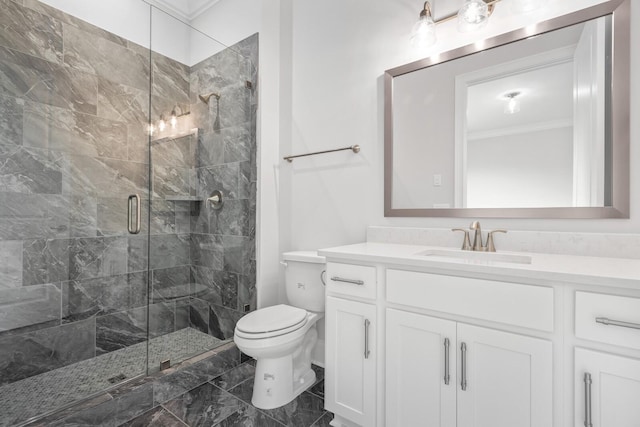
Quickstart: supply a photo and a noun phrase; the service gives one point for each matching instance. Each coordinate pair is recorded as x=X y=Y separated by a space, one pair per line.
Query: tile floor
x=65 y=385
x=226 y=401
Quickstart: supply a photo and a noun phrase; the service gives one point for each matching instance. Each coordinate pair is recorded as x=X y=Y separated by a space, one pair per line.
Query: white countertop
x=616 y=272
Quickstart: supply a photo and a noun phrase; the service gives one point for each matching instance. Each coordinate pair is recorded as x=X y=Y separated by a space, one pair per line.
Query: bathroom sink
x=477 y=256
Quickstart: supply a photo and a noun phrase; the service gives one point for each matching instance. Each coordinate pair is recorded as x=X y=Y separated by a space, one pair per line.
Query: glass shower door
x=202 y=253
x=74 y=108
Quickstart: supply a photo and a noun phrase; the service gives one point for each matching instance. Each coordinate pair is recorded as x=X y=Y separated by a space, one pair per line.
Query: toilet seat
x=271 y=322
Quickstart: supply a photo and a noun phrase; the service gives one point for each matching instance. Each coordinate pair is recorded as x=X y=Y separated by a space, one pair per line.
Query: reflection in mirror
x=523 y=129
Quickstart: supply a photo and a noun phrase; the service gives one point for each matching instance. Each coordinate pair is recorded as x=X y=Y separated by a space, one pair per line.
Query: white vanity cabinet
x=351 y=351
x=481 y=344
x=421 y=370
x=607 y=385
x=607 y=390
x=445 y=373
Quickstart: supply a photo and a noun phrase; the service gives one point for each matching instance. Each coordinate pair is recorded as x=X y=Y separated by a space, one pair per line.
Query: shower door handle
x=133 y=215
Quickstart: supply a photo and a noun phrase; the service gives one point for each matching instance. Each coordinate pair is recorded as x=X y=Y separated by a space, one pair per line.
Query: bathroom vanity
x=427 y=336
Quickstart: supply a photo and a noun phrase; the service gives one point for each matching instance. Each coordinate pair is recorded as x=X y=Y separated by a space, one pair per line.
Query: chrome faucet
x=477 y=237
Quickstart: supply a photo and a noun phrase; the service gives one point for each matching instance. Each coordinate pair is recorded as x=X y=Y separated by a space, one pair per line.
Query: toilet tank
x=303 y=282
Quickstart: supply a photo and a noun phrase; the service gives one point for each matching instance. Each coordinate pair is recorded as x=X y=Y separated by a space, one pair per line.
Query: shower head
x=205 y=98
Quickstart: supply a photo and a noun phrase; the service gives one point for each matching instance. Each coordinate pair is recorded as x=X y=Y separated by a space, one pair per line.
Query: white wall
x=340 y=51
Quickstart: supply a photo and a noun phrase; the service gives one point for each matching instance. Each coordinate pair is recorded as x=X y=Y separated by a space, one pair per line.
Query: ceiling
x=187 y=10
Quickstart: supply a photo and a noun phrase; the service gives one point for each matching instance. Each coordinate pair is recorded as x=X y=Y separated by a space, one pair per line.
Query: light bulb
x=513 y=104
x=423 y=33
x=151 y=129
x=161 y=124
x=174 y=119
x=473 y=15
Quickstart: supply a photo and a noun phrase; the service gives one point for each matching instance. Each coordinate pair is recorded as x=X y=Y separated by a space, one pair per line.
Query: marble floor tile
x=158 y=417
x=235 y=376
x=248 y=416
x=205 y=405
x=304 y=410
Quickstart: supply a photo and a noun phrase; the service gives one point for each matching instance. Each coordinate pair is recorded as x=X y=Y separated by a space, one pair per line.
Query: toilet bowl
x=281 y=338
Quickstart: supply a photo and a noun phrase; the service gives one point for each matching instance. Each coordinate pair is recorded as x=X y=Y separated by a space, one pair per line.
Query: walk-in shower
x=87 y=300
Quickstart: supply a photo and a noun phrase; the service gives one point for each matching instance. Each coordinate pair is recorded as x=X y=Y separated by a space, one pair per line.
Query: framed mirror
x=534 y=125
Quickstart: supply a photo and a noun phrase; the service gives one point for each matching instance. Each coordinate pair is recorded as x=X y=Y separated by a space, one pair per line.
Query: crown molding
x=186 y=10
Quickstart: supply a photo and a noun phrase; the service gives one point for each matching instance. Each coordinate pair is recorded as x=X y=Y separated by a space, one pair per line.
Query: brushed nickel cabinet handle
x=340 y=279
x=605 y=321
x=447 y=377
x=366 y=338
x=587 y=400
x=463 y=370
x=133 y=224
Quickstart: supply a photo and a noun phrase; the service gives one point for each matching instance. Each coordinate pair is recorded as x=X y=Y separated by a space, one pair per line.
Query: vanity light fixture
x=423 y=33
x=161 y=123
x=473 y=15
x=513 y=104
x=174 y=118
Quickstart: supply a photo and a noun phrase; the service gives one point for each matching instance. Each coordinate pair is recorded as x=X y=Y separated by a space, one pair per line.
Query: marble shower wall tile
x=30 y=170
x=237 y=250
x=29 y=308
x=45 y=261
x=170 y=79
x=38 y=80
x=169 y=284
x=207 y=251
x=10 y=264
x=11 y=113
x=169 y=250
x=223 y=178
x=97 y=257
x=81 y=134
x=222 y=321
x=102 y=177
x=214 y=286
x=58 y=15
x=33 y=353
x=30 y=32
x=120 y=330
x=82 y=299
x=27 y=216
x=104 y=58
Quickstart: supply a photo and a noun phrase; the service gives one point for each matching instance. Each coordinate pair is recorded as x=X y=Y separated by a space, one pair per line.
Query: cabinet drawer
x=591 y=306
x=350 y=279
x=510 y=303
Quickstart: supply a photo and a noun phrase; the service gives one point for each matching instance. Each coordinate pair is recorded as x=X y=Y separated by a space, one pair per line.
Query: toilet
x=282 y=337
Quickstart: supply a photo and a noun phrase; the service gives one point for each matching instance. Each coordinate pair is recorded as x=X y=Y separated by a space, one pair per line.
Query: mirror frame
x=620 y=121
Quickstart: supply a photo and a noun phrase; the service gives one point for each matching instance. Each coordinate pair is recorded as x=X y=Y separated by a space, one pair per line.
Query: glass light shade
x=512 y=106
x=423 y=33
x=473 y=15
x=524 y=6
x=161 y=124
x=174 y=119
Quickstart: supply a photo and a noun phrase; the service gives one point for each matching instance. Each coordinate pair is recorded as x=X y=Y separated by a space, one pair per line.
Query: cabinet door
x=508 y=379
x=351 y=354
x=421 y=351
x=612 y=398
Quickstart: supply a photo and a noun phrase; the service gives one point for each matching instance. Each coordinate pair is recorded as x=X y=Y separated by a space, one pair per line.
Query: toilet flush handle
x=284 y=263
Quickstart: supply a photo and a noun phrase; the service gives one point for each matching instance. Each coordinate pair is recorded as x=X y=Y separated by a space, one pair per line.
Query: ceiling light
x=513 y=103
x=423 y=33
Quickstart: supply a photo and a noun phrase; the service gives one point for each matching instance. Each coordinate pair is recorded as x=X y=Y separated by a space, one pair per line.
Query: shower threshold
x=51 y=391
